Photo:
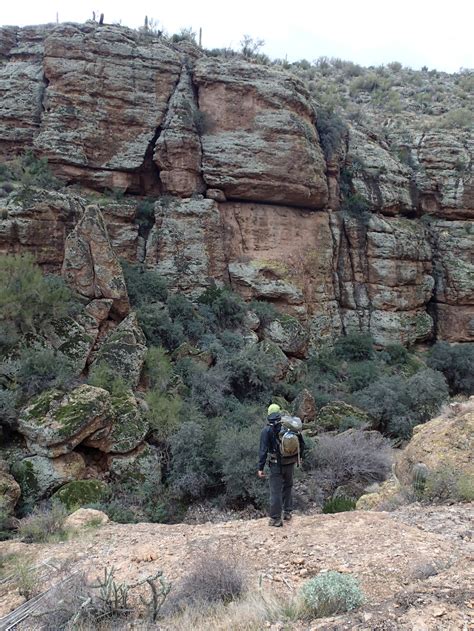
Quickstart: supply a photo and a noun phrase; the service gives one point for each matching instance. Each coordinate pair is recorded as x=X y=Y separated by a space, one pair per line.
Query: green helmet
x=274 y=407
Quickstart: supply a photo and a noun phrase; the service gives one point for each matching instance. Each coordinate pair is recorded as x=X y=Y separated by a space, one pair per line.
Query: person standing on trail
x=283 y=446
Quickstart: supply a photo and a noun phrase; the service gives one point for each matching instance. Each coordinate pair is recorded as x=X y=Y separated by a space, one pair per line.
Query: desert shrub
x=338 y=505
x=266 y=312
x=332 y=131
x=8 y=405
x=158 y=327
x=43 y=524
x=145 y=214
x=365 y=83
x=191 y=454
x=185 y=35
x=25 y=577
x=461 y=118
x=41 y=368
x=159 y=369
x=455 y=362
x=331 y=593
x=62 y=603
x=209 y=389
x=447 y=485
x=211 y=579
x=355 y=204
x=163 y=413
x=182 y=311
x=356 y=456
x=361 y=374
x=103 y=376
x=228 y=307
x=396 y=354
x=398 y=403
x=236 y=457
x=143 y=285
x=27 y=298
x=249 y=375
x=354 y=347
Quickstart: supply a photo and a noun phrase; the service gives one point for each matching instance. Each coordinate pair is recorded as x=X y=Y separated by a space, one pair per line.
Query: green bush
x=250 y=376
x=361 y=374
x=191 y=456
x=236 y=456
x=455 y=362
x=331 y=593
x=43 y=368
x=338 y=505
x=354 y=347
x=163 y=414
x=158 y=327
x=103 y=376
x=332 y=131
x=159 y=369
x=144 y=286
x=228 y=307
x=447 y=485
x=27 y=298
x=266 y=312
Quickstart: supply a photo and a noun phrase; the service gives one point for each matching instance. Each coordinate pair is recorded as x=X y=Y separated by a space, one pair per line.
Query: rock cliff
x=229 y=154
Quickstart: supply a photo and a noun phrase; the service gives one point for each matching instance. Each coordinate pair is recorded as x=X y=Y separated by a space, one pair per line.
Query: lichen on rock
x=80 y=492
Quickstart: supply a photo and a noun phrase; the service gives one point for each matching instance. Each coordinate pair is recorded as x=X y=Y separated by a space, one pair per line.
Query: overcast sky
x=370 y=32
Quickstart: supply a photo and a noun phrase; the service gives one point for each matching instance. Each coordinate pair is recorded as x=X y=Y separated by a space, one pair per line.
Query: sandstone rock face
x=54 y=423
x=454 y=275
x=124 y=350
x=39 y=225
x=10 y=490
x=90 y=265
x=185 y=245
x=178 y=149
x=260 y=141
x=106 y=97
x=127 y=430
x=439 y=444
x=385 y=281
x=39 y=476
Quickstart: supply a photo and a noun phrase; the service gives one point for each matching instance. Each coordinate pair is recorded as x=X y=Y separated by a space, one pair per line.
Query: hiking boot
x=287 y=516
x=275 y=522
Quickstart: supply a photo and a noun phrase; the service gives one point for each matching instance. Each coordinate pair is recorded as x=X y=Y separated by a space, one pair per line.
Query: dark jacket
x=269 y=444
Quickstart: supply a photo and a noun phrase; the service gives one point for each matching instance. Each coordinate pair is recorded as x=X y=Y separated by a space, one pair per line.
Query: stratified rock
x=304 y=406
x=107 y=94
x=90 y=266
x=127 y=430
x=453 y=245
x=440 y=444
x=339 y=415
x=289 y=334
x=385 y=281
x=124 y=351
x=84 y=517
x=80 y=492
x=39 y=476
x=185 y=245
x=9 y=490
x=54 y=423
x=178 y=149
x=259 y=141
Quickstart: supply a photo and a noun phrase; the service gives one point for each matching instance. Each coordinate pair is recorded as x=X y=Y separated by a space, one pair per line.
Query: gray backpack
x=288 y=438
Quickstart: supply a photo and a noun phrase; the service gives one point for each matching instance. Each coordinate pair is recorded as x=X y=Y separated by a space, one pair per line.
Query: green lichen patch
x=81 y=492
x=129 y=427
x=340 y=416
x=84 y=403
x=38 y=409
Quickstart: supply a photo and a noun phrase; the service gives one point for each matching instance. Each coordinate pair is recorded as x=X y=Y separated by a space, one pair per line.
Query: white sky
x=438 y=34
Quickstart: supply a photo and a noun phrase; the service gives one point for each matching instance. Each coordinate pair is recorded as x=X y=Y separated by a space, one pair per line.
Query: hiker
x=276 y=440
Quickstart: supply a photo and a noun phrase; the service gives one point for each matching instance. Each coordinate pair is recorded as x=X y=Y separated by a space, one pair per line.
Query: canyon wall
x=227 y=155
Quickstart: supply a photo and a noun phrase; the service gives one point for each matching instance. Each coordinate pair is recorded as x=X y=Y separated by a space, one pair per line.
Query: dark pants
x=281 y=484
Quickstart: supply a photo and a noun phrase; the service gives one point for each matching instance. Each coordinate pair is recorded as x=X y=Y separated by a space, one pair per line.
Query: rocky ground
x=414 y=564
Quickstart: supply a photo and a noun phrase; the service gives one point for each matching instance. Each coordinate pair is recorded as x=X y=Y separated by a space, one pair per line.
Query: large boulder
x=90 y=265
x=270 y=355
x=127 y=430
x=54 y=423
x=84 y=518
x=124 y=351
x=339 y=416
x=39 y=476
x=440 y=444
x=141 y=465
x=304 y=406
x=381 y=496
x=289 y=334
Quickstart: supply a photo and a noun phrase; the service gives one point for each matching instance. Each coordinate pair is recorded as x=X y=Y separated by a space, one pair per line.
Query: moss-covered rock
x=270 y=354
x=38 y=476
x=124 y=351
x=141 y=465
x=9 y=491
x=289 y=334
x=81 y=492
x=382 y=495
x=127 y=430
x=54 y=423
x=72 y=339
x=340 y=416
